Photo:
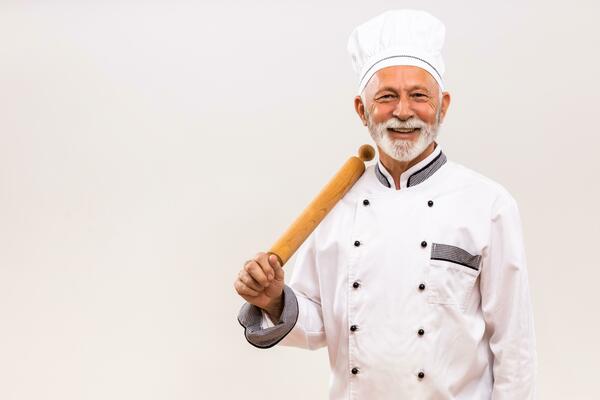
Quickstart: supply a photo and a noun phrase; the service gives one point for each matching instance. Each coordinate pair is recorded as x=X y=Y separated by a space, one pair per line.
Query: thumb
x=274 y=261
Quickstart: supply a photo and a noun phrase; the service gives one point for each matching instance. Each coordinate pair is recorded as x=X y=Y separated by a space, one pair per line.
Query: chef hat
x=398 y=37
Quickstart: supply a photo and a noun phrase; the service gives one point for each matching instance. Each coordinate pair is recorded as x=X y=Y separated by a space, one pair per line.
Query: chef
x=416 y=280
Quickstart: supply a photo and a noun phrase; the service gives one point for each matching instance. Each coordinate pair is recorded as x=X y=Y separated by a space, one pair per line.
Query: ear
x=360 y=109
x=445 y=105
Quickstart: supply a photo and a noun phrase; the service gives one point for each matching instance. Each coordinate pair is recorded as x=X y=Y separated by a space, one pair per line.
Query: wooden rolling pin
x=314 y=213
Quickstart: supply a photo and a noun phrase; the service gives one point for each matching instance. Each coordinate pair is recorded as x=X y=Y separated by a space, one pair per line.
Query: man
x=416 y=281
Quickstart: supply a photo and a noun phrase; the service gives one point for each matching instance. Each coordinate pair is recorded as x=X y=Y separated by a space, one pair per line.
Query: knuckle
x=249 y=265
x=251 y=271
x=246 y=280
x=256 y=272
x=268 y=269
x=236 y=286
x=259 y=276
x=249 y=282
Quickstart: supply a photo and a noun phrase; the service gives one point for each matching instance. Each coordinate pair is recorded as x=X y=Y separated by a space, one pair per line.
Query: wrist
x=275 y=309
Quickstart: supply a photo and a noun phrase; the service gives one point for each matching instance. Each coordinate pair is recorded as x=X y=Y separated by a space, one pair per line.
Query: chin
x=404 y=150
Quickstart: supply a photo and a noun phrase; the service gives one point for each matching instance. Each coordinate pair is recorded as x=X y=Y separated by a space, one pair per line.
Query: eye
x=386 y=97
x=420 y=97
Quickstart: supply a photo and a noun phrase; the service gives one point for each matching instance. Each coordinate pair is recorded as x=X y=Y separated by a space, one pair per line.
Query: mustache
x=412 y=123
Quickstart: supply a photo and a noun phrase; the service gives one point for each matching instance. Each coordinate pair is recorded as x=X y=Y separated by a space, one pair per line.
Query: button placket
x=355 y=285
x=421 y=332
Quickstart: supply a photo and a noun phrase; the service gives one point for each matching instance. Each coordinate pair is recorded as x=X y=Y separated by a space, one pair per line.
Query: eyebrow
x=421 y=87
x=410 y=88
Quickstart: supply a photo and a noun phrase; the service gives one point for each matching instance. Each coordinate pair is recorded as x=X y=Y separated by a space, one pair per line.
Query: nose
x=403 y=111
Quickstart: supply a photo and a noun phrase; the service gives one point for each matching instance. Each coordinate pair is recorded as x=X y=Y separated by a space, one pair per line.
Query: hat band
x=439 y=78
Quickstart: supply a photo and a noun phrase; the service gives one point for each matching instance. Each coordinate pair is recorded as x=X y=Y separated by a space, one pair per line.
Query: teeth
x=403 y=130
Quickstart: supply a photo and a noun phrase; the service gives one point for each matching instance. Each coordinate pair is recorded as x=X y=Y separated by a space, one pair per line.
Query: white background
x=148 y=149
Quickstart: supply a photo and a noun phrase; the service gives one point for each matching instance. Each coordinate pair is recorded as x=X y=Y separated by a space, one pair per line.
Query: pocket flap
x=446 y=252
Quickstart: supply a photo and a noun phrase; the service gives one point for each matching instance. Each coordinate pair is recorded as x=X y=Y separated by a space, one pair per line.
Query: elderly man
x=416 y=281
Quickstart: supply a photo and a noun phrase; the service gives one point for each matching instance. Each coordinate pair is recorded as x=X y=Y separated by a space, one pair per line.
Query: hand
x=260 y=282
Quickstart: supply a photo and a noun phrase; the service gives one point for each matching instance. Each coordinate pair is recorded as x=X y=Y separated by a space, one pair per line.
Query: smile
x=403 y=130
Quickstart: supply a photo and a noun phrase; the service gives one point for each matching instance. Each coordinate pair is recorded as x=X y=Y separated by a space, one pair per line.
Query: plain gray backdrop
x=147 y=149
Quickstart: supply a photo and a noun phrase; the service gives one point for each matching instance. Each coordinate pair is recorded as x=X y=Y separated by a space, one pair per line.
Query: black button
x=422 y=286
x=423 y=243
x=353 y=328
x=355 y=285
x=421 y=332
x=356 y=243
x=366 y=202
x=430 y=203
x=421 y=375
x=354 y=371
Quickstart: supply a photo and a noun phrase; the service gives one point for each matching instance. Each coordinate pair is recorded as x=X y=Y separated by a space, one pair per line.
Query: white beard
x=400 y=149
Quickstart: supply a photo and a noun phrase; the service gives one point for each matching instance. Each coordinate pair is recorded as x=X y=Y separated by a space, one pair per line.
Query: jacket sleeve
x=301 y=324
x=506 y=305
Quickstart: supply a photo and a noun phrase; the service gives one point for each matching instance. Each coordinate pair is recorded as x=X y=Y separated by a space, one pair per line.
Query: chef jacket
x=418 y=293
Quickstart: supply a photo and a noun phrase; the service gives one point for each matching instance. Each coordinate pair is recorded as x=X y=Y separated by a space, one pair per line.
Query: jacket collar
x=415 y=174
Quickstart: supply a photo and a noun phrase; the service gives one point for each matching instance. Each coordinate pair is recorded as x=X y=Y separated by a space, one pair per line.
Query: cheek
x=381 y=112
x=426 y=112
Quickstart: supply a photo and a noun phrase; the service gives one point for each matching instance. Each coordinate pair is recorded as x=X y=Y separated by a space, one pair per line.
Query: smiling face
x=402 y=108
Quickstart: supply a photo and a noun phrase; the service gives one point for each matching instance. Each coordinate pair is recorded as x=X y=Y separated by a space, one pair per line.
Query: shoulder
x=498 y=195
x=367 y=183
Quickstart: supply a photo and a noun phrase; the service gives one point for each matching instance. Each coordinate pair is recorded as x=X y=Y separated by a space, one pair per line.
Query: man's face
x=402 y=108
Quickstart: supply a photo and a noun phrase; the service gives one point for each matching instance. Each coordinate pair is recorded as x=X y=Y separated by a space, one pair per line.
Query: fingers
x=277 y=267
x=254 y=278
x=263 y=261
x=243 y=289
x=259 y=274
x=257 y=271
x=247 y=280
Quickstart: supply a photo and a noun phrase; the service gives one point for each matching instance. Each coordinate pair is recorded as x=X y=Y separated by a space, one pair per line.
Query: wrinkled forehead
x=401 y=78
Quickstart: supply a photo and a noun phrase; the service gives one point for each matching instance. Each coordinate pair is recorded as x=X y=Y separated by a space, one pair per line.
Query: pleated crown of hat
x=398 y=37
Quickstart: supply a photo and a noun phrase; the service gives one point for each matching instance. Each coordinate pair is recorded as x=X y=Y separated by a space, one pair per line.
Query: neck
x=396 y=168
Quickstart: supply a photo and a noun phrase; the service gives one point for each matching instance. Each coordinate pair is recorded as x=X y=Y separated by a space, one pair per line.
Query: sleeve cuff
x=258 y=327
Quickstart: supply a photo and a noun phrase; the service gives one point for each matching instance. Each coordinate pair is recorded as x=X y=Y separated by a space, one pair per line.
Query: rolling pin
x=327 y=198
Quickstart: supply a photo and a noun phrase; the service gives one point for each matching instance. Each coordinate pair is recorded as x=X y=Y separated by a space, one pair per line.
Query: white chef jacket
x=418 y=293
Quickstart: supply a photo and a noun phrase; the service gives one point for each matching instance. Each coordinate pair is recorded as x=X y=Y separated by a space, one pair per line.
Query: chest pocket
x=452 y=275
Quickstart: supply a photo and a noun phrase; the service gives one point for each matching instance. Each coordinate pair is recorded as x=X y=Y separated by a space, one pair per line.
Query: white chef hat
x=398 y=37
